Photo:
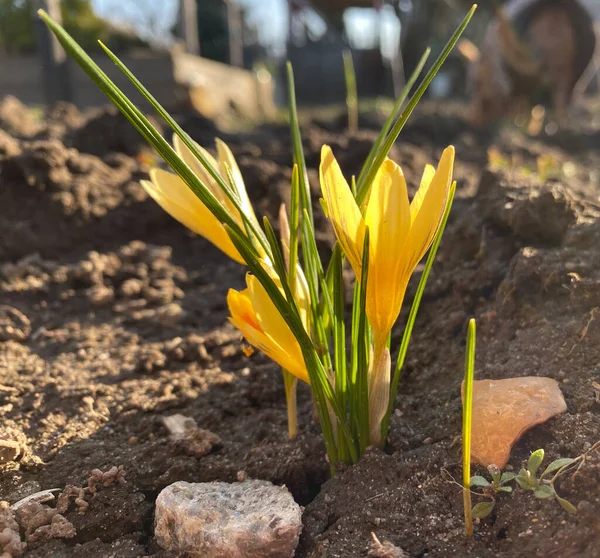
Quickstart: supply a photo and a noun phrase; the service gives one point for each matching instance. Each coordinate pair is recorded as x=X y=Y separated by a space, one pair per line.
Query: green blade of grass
x=412 y=316
x=294 y=225
x=363 y=350
x=299 y=159
x=351 y=92
x=390 y=119
x=339 y=330
x=142 y=124
x=363 y=187
x=467 y=424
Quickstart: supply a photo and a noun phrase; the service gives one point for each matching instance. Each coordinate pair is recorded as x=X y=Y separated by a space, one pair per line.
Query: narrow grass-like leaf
x=390 y=119
x=363 y=350
x=297 y=143
x=412 y=316
x=466 y=426
x=294 y=225
x=351 y=93
x=143 y=125
x=339 y=330
x=365 y=184
x=321 y=387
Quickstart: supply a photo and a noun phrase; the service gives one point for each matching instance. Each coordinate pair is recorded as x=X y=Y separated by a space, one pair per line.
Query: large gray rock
x=251 y=519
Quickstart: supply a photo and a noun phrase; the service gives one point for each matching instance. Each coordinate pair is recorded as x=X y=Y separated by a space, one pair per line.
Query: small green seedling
x=490 y=489
x=467 y=424
x=543 y=487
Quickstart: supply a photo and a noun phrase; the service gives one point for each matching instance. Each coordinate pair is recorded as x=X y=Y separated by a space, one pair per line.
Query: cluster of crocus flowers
x=400 y=233
x=294 y=307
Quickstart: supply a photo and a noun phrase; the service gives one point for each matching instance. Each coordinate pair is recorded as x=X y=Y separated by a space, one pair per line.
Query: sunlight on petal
x=343 y=212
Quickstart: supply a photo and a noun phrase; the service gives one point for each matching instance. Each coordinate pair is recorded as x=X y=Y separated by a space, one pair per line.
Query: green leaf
x=390 y=120
x=468 y=405
x=143 y=125
x=506 y=477
x=504 y=489
x=365 y=184
x=534 y=462
x=362 y=383
x=339 y=329
x=297 y=144
x=556 y=465
x=294 y=226
x=543 y=491
x=479 y=481
x=351 y=94
x=566 y=505
x=482 y=510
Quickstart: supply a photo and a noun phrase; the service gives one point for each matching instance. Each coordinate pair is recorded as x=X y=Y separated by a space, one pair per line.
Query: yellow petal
x=245 y=318
x=388 y=220
x=342 y=210
x=268 y=316
x=173 y=195
x=198 y=169
x=427 y=208
x=284 y=228
x=227 y=161
x=302 y=297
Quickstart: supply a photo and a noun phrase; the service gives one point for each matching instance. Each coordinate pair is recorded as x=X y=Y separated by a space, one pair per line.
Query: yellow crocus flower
x=255 y=315
x=400 y=233
x=176 y=198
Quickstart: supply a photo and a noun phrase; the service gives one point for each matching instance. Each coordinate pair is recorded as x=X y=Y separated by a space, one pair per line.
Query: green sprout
x=467 y=424
x=351 y=93
x=490 y=490
x=543 y=487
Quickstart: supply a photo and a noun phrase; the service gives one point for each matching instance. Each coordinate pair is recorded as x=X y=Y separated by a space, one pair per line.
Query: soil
x=113 y=316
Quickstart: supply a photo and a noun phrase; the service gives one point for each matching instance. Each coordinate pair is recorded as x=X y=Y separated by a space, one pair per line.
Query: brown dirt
x=113 y=316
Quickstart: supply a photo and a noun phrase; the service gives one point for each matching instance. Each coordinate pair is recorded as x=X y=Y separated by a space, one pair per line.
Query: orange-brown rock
x=503 y=410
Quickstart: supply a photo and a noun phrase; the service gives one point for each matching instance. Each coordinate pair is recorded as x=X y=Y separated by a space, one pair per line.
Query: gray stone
x=250 y=519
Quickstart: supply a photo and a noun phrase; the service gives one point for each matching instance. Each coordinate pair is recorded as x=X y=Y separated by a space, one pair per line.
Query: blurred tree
x=17 y=32
x=214 y=33
x=212 y=29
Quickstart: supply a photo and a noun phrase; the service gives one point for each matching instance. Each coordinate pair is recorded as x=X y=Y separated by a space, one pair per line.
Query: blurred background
x=229 y=55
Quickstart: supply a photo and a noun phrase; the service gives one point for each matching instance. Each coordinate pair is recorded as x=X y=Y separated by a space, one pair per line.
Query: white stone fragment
x=250 y=519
